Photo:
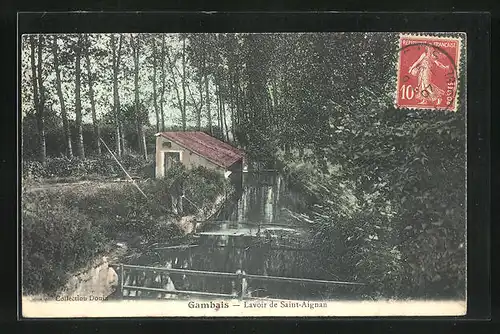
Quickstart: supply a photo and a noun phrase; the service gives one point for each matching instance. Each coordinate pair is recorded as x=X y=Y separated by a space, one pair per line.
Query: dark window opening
x=171 y=158
x=167 y=144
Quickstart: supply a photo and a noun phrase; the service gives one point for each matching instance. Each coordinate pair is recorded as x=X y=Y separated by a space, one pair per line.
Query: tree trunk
x=232 y=104
x=64 y=115
x=78 y=102
x=41 y=110
x=171 y=66
x=184 y=84
x=275 y=103
x=207 y=98
x=236 y=88
x=122 y=137
x=162 y=63
x=138 y=113
x=197 y=106
x=38 y=96
x=217 y=96
x=95 y=122
x=155 y=101
x=120 y=117
x=116 y=96
x=200 y=109
x=224 y=118
x=242 y=104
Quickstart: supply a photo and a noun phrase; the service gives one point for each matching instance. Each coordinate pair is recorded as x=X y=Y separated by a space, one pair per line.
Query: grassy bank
x=64 y=228
x=63 y=169
x=400 y=247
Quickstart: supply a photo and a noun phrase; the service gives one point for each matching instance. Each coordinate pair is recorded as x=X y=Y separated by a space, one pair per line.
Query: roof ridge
x=227 y=147
x=213 y=149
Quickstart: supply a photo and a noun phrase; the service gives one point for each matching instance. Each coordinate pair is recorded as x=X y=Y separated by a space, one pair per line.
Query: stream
x=253 y=232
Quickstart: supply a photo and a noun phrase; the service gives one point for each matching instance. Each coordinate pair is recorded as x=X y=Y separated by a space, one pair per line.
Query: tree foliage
x=384 y=189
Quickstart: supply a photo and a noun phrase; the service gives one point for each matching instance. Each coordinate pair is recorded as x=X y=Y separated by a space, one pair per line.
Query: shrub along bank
x=65 y=228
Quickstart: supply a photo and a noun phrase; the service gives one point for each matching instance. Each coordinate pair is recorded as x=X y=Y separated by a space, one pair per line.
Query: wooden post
x=122 y=274
x=241 y=275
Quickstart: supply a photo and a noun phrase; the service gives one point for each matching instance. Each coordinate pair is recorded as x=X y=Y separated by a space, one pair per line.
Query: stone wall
x=188 y=158
x=96 y=283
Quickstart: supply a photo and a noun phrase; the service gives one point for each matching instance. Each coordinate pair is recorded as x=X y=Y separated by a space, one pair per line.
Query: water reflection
x=249 y=234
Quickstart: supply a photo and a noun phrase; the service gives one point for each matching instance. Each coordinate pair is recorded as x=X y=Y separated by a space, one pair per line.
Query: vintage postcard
x=243 y=174
x=428 y=72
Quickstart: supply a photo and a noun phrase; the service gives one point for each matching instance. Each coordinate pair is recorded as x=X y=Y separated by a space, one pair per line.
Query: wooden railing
x=244 y=222
x=240 y=276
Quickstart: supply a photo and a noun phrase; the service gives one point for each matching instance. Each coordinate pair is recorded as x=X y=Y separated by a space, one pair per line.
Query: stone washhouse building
x=196 y=148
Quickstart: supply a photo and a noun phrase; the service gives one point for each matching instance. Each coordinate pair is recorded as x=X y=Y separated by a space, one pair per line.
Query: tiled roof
x=211 y=148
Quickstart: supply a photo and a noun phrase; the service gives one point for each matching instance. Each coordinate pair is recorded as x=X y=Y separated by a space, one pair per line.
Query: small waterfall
x=269 y=205
x=243 y=205
x=259 y=201
x=277 y=194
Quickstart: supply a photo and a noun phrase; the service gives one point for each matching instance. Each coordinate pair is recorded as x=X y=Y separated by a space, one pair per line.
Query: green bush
x=200 y=186
x=67 y=227
x=56 y=241
x=146 y=170
x=33 y=170
x=64 y=167
x=132 y=161
x=64 y=230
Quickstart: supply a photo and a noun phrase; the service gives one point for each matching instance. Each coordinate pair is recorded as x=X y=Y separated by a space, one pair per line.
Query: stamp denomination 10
x=427 y=72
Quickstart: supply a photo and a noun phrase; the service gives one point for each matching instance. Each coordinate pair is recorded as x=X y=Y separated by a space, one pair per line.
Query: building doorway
x=170 y=159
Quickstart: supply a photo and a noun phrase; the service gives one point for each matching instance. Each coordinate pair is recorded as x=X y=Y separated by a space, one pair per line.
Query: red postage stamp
x=428 y=72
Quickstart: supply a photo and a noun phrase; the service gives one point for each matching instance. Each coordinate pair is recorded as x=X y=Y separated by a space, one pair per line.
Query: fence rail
x=242 y=277
x=176 y=292
x=180 y=271
x=273 y=248
x=297 y=280
x=250 y=223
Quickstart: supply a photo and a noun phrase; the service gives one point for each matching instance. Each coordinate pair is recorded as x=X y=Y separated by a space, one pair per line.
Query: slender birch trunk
x=38 y=95
x=135 y=42
x=78 y=102
x=64 y=113
x=155 y=100
x=116 y=96
x=162 y=64
x=183 y=84
x=95 y=122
